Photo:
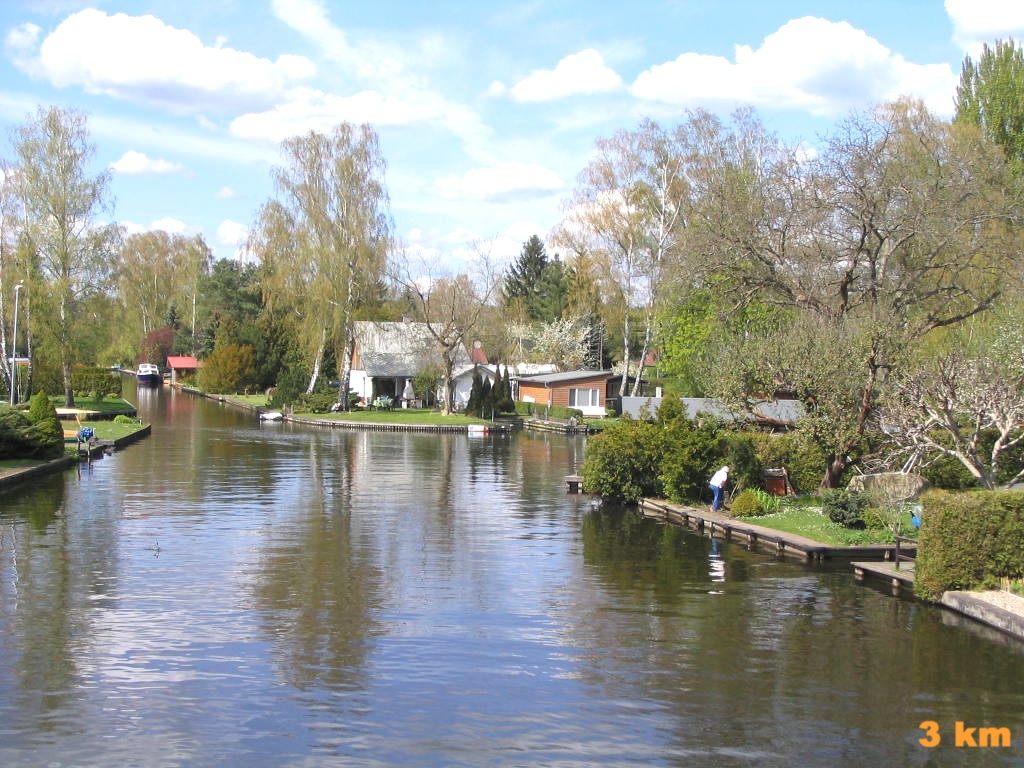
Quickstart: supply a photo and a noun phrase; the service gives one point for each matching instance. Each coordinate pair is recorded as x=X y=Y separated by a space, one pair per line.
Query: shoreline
x=997 y=609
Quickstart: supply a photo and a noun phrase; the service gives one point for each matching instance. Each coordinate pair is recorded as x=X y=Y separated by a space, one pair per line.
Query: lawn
x=806 y=519
x=397 y=416
x=106 y=405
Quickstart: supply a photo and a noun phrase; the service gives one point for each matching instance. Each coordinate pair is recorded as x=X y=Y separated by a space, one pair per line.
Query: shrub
x=969 y=541
x=623 y=463
x=747 y=504
x=44 y=433
x=124 y=419
x=845 y=507
x=693 y=451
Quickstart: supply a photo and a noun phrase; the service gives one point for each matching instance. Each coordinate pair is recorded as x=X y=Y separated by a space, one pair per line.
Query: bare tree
x=969 y=409
x=450 y=304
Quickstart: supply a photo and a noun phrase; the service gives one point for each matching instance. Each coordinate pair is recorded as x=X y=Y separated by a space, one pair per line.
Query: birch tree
x=630 y=204
x=66 y=219
x=325 y=239
x=11 y=272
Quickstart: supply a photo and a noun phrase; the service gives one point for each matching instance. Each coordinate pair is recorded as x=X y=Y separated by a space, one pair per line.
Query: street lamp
x=14 y=344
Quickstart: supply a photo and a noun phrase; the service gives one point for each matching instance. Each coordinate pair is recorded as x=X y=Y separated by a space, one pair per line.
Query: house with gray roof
x=388 y=355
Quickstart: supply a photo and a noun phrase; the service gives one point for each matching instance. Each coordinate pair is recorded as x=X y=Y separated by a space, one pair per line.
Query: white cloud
x=139 y=58
x=810 y=64
x=170 y=225
x=976 y=22
x=321 y=112
x=232 y=233
x=132 y=162
x=227 y=193
x=501 y=183
x=579 y=73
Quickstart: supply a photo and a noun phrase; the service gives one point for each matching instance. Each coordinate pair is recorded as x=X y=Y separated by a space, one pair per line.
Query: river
x=231 y=593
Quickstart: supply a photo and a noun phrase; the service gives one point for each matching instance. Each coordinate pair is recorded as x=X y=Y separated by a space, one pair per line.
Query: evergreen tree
x=524 y=279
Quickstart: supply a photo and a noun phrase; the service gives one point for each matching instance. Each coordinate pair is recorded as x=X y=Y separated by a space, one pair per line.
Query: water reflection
x=233 y=593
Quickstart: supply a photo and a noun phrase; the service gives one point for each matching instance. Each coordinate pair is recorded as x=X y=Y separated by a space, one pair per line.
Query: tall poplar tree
x=991 y=95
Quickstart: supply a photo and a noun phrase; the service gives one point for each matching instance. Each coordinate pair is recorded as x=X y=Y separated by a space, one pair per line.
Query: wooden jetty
x=761 y=538
x=899 y=575
x=574 y=483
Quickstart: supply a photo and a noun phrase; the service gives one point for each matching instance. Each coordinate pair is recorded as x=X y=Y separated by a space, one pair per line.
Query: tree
x=450 y=305
x=325 y=241
x=969 y=409
x=62 y=206
x=12 y=274
x=991 y=95
x=902 y=225
x=631 y=204
x=157 y=272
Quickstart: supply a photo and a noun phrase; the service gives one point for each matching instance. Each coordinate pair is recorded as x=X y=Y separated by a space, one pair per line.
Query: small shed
x=586 y=391
x=182 y=367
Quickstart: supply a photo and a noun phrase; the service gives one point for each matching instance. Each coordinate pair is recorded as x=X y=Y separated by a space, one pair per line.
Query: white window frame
x=592 y=395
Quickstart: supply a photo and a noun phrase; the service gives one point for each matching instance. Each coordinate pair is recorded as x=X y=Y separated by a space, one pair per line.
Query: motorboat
x=148 y=374
x=271 y=416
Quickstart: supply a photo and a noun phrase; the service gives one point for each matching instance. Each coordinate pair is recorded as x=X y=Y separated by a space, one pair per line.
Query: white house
x=388 y=355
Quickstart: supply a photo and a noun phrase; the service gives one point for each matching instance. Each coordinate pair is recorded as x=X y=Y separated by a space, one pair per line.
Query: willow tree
x=900 y=226
x=66 y=213
x=324 y=241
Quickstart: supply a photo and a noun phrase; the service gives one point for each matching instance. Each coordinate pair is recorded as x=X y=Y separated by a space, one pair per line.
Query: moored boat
x=148 y=374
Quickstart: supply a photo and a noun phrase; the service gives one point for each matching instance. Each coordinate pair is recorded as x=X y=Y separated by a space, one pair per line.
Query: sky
x=486 y=112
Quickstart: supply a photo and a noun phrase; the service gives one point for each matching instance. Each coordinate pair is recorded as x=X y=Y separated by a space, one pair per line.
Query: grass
x=106 y=405
x=805 y=518
x=398 y=416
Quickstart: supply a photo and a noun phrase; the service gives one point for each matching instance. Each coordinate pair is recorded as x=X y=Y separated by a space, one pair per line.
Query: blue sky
x=486 y=111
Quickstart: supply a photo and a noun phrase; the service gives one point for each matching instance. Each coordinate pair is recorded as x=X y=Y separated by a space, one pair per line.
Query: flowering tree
x=955 y=407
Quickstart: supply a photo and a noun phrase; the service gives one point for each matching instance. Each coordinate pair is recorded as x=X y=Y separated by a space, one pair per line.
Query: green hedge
x=551 y=412
x=91 y=383
x=969 y=541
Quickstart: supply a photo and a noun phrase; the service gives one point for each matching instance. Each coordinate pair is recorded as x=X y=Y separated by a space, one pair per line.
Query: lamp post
x=14 y=345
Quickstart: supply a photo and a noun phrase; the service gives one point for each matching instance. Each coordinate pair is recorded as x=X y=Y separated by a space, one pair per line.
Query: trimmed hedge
x=969 y=541
x=94 y=382
x=553 y=411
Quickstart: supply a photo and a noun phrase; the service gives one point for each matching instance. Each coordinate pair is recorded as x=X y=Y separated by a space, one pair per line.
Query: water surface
x=230 y=593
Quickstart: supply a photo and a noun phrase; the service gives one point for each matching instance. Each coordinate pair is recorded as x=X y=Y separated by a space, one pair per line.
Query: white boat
x=271 y=416
x=148 y=374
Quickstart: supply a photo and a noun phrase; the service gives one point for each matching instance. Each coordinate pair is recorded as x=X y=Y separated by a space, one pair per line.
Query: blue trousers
x=716 y=497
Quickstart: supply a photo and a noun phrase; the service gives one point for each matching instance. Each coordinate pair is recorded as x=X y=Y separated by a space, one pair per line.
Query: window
x=583 y=398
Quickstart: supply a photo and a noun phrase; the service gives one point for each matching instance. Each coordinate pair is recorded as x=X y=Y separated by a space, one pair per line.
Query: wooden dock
x=899 y=575
x=574 y=483
x=761 y=538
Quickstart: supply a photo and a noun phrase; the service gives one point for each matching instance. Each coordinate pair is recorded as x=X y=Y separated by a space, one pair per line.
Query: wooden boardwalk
x=761 y=538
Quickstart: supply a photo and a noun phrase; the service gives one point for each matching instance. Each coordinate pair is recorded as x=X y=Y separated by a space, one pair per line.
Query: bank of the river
x=996 y=608
x=109 y=436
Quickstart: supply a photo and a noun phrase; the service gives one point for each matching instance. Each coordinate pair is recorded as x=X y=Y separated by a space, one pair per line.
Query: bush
x=623 y=462
x=844 y=507
x=45 y=434
x=747 y=504
x=693 y=452
x=969 y=541
x=123 y=419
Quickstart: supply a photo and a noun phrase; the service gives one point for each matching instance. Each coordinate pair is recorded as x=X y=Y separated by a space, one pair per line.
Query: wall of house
x=559 y=395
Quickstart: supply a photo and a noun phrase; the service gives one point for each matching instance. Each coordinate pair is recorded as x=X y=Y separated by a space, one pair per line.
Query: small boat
x=148 y=374
x=271 y=416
